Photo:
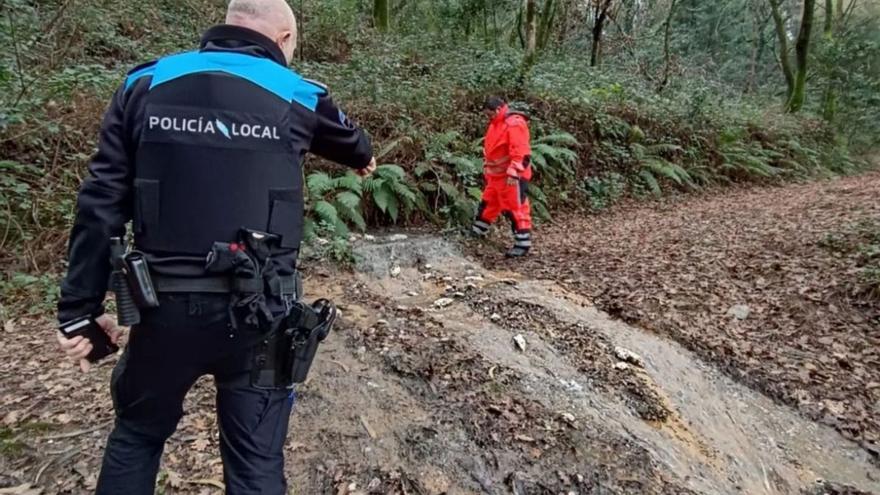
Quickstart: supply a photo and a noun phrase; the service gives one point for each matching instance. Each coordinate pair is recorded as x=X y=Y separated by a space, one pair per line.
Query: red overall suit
x=507 y=171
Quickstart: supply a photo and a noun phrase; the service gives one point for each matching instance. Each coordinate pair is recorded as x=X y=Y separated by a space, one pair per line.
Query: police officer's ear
x=286 y=41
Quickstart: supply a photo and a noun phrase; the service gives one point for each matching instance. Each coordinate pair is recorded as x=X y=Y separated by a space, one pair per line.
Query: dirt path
x=423 y=388
x=696 y=428
x=764 y=283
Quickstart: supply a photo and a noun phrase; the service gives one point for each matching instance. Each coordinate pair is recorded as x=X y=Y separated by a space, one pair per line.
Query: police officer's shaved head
x=271 y=18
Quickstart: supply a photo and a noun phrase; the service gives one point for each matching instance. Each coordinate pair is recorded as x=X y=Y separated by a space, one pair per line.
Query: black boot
x=516 y=252
x=522 y=244
x=479 y=229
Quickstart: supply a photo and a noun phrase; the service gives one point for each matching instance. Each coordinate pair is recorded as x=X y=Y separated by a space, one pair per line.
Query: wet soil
x=457 y=374
x=766 y=284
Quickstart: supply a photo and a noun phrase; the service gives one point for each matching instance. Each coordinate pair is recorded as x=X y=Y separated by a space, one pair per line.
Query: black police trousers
x=187 y=337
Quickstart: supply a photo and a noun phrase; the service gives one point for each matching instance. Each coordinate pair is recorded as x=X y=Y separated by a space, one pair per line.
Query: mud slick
x=448 y=378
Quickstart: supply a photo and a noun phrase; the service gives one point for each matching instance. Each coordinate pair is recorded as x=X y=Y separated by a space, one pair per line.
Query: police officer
x=193 y=148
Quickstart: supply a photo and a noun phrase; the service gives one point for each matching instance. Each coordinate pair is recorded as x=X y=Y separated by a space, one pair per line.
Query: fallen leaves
x=443 y=302
x=746 y=280
x=628 y=356
x=25 y=489
x=367 y=427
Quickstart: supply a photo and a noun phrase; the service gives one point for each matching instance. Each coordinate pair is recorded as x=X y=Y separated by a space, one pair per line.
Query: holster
x=140 y=281
x=130 y=281
x=289 y=338
x=286 y=356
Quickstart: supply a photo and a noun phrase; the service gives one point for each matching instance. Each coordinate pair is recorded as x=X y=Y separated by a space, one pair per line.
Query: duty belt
x=278 y=286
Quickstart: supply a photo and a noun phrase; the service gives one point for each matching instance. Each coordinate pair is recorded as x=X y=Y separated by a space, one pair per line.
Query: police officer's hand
x=368 y=170
x=79 y=347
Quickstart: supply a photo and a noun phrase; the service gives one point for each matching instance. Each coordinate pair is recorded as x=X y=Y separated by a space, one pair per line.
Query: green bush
x=599 y=133
x=26 y=294
x=603 y=191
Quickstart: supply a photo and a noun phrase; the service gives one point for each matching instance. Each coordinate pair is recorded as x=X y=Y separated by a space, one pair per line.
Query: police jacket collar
x=226 y=37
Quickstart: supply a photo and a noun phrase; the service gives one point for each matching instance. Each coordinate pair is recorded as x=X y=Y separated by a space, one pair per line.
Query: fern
x=552 y=156
x=449 y=189
x=310 y=229
x=391 y=191
x=704 y=176
x=537 y=194
x=332 y=204
x=669 y=170
x=423 y=168
x=465 y=167
x=404 y=192
x=319 y=183
x=350 y=182
x=558 y=139
x=327 y=214
x=349 y=199
x=541 y=211
x=392 y=207
x=562 y=156
x=749 y=160
x=539 y=162
x=650 y=181
x=391 y=171
x=663 y=148
x=372 y=184
x=389 y=147
x=347 y=205
x=381 y=195
x=539 y=202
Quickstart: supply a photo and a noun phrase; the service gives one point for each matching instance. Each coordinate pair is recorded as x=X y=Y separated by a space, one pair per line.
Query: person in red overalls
x=507 y=172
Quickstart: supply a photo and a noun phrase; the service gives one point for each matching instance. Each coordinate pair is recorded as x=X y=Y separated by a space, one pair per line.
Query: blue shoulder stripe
x=263 y=72
x=139 y=72
x=319 y=84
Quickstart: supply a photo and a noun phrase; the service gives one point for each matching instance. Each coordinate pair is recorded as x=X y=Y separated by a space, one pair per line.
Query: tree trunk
x=802 y=51
x=548 y=15
x=762 y=41
x=485 y=12
x=829 y=17
x=756 y=51
x=564 y=21
x=381 y=14
x=601 y=14
x=782 y=38
x=629 y=20
x=531 y=22
x=666 y=55
x=829 y=99
x=495 y=32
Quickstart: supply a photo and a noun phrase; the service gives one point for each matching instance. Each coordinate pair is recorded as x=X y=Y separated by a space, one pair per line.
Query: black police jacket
x=196 y=146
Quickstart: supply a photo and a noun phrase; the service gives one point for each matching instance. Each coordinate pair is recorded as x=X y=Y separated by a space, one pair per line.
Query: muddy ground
x=764 y=283
x=452 y=373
